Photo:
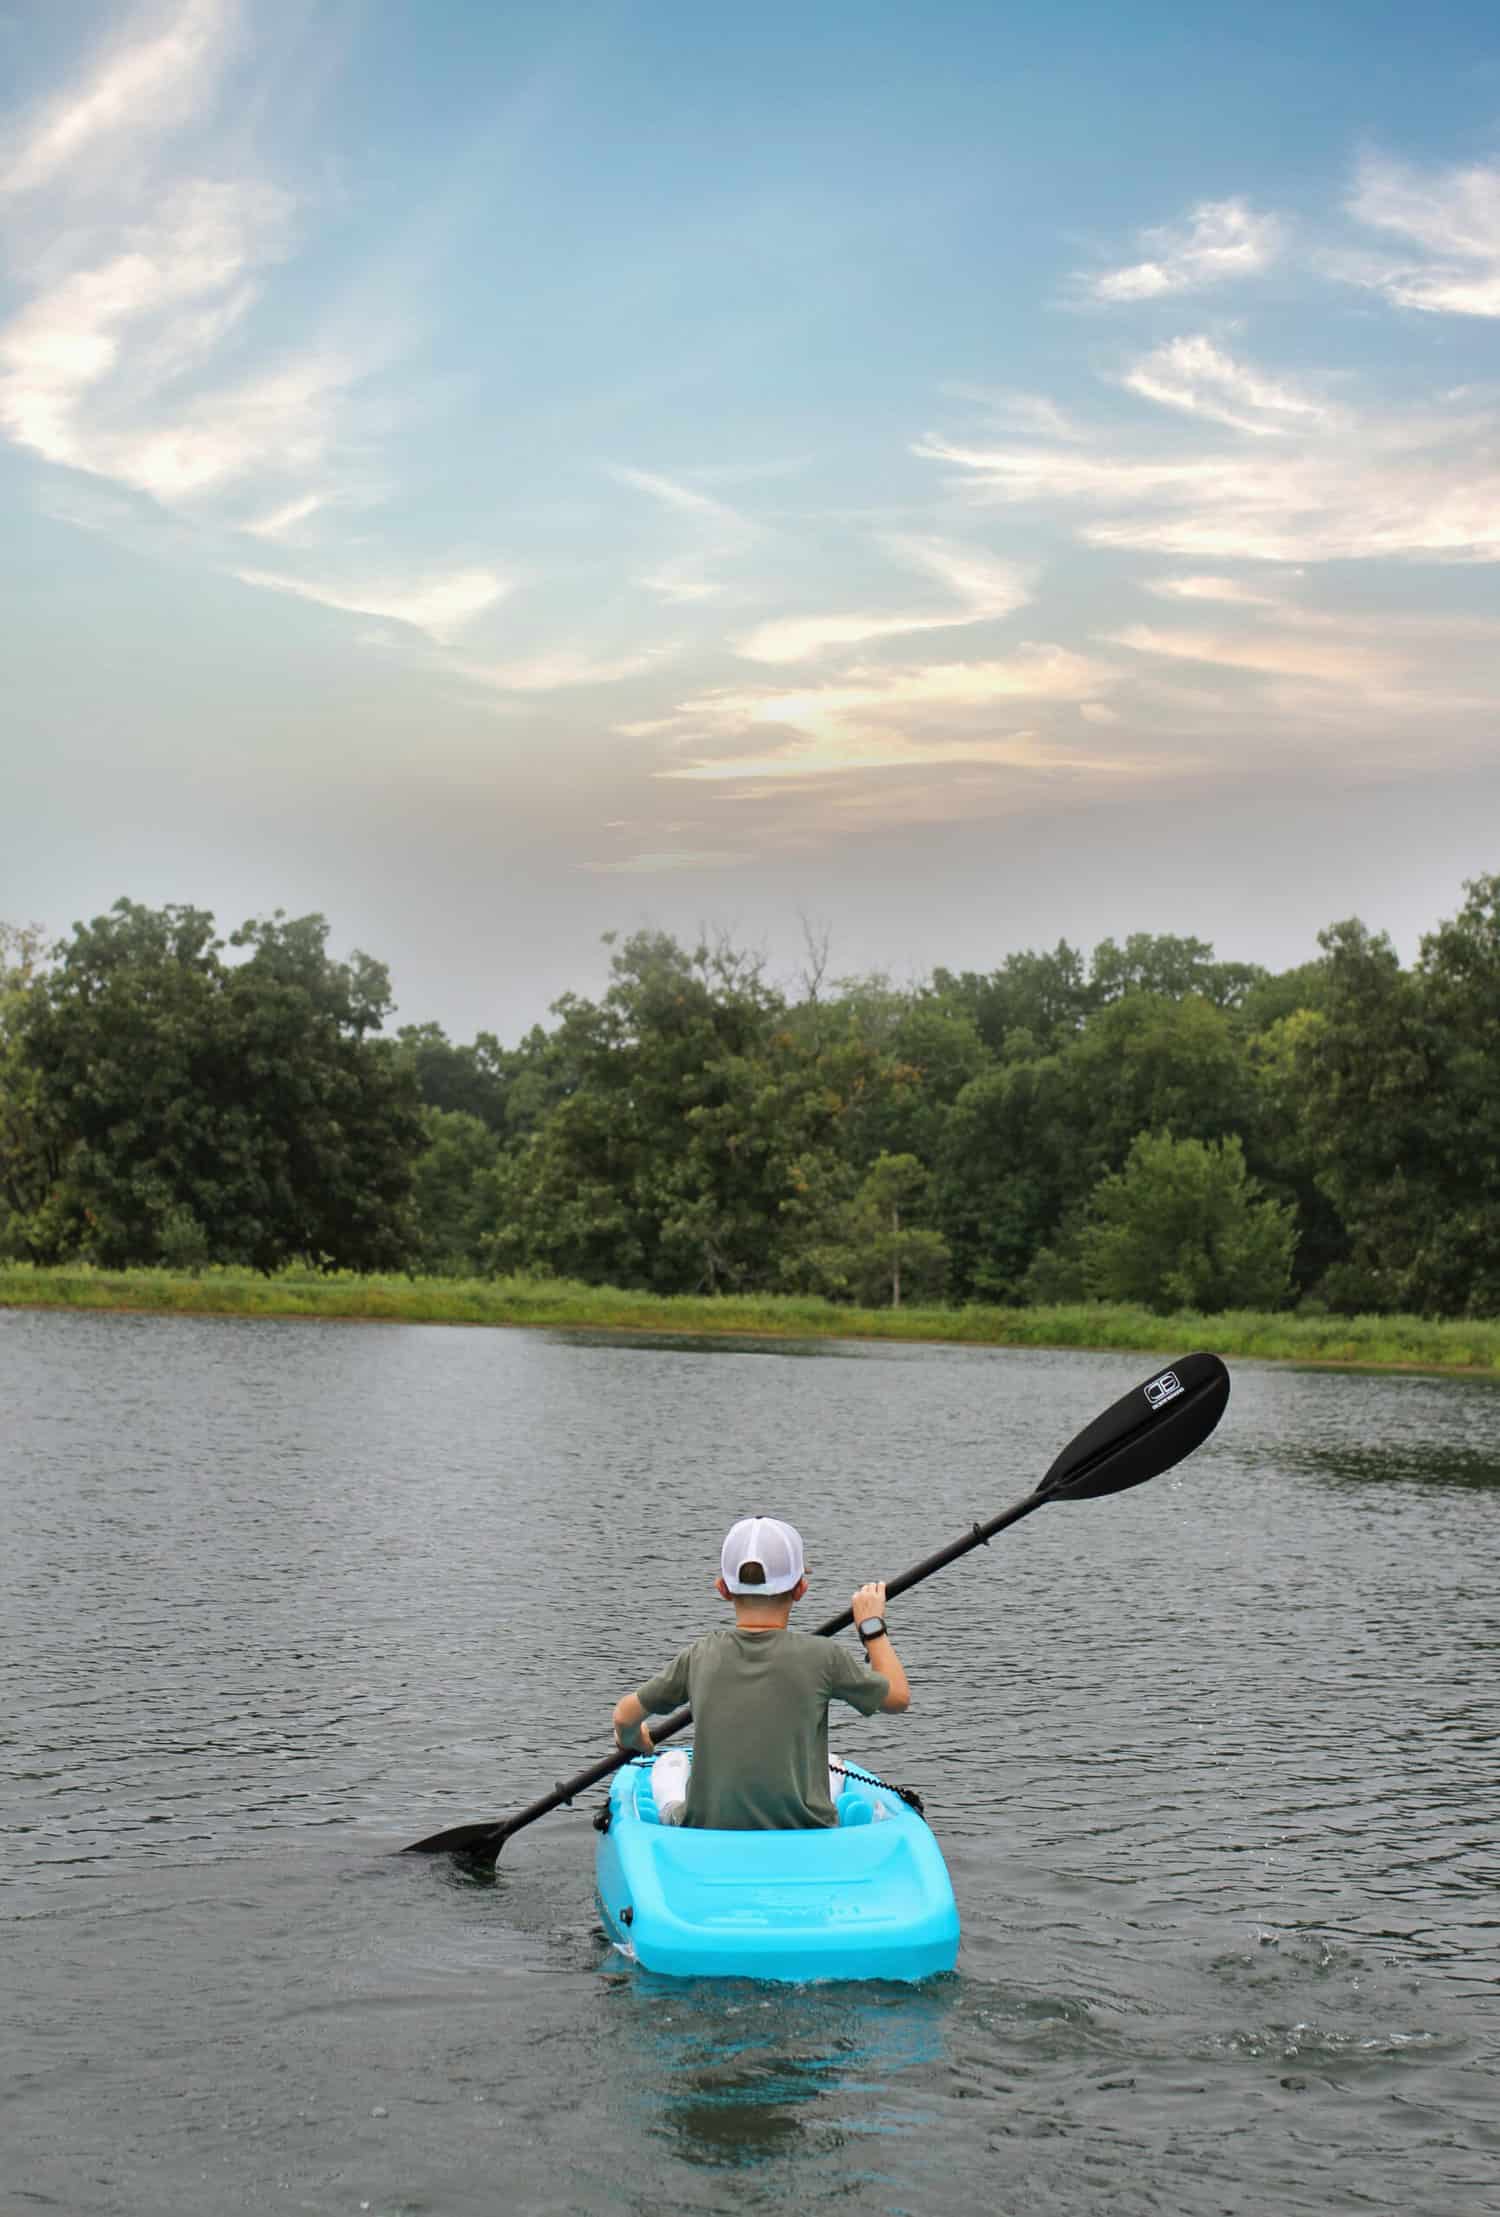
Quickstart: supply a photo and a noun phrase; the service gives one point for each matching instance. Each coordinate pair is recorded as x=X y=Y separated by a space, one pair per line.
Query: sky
x=925 y=481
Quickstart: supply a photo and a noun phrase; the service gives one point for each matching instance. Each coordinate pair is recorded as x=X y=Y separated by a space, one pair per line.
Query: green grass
x=1364 y=1342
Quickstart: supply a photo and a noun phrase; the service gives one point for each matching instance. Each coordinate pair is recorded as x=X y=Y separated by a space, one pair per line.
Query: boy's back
x=759 y=1695
x=760 y=1724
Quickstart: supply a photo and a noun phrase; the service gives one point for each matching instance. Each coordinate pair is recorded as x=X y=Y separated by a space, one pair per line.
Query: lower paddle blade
x=1144 y=1433
x=481 y=1841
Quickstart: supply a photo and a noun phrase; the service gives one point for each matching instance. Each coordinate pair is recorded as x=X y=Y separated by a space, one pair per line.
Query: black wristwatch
x=871 y=1628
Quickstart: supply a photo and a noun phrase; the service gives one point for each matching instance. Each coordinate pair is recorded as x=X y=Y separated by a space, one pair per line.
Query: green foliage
x=1398 y=1105
x=877 y=1249
x=26 y=1164
x=1171 y=968
x=186 y=1107
x=452 y=1193
x=171 y=1098
x=1183 y=1227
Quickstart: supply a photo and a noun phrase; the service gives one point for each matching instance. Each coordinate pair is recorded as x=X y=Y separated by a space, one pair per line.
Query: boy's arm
x=630 y=1726
x=870 y=1602
x=654 y=1697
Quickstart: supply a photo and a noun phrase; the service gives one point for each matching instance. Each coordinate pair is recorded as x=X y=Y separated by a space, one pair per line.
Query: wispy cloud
x=671 y=860
x=723 y=534
x=1017 y=411
x=282 y=521
x=1453 y=215
x=982 y=588
x=1202 y=380
x=1210 y=588
x=132 y=356
x=1327 y=662
x=565 y=668
x=153 y=80
x=440 y=605
x=1223 y=239
x=1374 y=484
x=72 y=390
x=874 y=718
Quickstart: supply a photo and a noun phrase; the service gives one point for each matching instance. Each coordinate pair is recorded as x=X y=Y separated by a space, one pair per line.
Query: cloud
x=1329 y=662
x=141 y=279
x=1199 y=378
x=671 y=859
x=673 y=494
x=69 y=389
x=1209 y=588
x=983 y=588
x=440 y=606
x=150 y=84
x=1032 y=412
x=1364 y=486
x=564 y=668
x=877 y=718
x=725 y=534
x=282 y=521
x=1225 y=239
x=1454 y=216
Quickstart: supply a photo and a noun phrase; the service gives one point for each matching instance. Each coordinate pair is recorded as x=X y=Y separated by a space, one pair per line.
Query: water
x=1214 y=1766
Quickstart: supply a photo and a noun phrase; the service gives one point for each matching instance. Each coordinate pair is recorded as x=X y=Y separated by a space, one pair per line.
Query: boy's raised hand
x=870 y=1600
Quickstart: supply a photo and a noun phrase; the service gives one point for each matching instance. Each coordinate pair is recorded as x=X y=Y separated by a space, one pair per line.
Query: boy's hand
x=869 y=1601
x=638 y=1742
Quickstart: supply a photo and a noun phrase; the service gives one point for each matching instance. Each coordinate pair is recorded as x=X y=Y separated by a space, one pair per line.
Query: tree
x=879 y=1251
x=197 y=1108
x=1007 y=1169
x=1364 y=1081
x=1459 y=974
x=1145 y=1062
x=27 y=1166
x=1182 y=1226
x=1170 y=967
x=1048 y=996
x=452 y=1195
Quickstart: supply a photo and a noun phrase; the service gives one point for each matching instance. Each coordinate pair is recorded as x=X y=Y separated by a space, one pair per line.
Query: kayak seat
x=855 y=1805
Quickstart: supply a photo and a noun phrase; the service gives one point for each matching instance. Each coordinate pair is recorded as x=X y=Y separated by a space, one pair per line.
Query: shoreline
x=1456 y=1348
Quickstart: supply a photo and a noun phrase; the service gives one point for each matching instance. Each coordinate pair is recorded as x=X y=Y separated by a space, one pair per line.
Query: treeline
x=1144 y=1124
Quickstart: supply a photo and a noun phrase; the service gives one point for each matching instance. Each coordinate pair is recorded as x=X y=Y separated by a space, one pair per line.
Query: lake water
x=1214 y=1765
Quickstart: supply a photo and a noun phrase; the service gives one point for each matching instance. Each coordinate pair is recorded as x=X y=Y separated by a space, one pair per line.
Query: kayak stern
x=867 y=1898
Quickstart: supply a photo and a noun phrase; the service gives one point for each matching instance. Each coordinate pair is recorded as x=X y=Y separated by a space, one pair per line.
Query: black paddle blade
x=1144 y=1433
x=476 y=1843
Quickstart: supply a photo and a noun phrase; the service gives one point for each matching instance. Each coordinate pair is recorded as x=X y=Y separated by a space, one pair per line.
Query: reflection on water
x=742 y=2074
x=1400 y=1463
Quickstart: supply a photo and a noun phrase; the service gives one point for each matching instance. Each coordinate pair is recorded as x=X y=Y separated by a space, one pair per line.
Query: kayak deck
x=867 y=1898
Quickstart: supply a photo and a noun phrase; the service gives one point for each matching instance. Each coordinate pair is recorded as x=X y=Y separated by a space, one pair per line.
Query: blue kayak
x=867 y=1898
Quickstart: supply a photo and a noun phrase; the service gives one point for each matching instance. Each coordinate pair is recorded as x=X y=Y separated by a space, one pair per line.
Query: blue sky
x=496 y=473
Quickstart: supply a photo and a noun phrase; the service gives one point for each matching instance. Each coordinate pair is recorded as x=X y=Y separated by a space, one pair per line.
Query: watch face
x=870 y=1628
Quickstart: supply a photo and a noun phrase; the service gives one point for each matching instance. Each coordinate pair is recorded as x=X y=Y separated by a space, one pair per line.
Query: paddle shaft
x=1147 y=1431
x=567 y=1788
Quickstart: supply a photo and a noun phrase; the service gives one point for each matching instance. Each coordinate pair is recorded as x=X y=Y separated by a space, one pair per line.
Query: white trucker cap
x=777 y=1547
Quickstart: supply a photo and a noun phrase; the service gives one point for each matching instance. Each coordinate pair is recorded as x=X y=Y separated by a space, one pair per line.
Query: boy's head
x=761 y=1562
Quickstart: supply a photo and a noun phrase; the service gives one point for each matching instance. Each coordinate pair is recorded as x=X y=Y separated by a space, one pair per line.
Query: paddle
x=1144 y=1433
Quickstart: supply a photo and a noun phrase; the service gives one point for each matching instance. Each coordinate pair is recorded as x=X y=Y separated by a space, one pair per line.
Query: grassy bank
x=1361 y=1341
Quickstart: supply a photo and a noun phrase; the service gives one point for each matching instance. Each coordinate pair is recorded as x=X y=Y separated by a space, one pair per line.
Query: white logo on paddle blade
x=1163 y=1389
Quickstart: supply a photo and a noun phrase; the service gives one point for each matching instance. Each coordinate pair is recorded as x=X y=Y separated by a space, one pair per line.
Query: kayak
x=869 y=1897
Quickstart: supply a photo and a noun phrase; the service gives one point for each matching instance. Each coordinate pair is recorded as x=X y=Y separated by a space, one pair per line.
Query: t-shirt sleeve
x=864 y=1689
x=668 y=1689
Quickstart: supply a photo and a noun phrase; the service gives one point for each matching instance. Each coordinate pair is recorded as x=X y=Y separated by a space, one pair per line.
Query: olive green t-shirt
x=760 y=1724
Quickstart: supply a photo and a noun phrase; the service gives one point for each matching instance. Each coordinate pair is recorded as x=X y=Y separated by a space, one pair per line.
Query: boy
x=760 y=1696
